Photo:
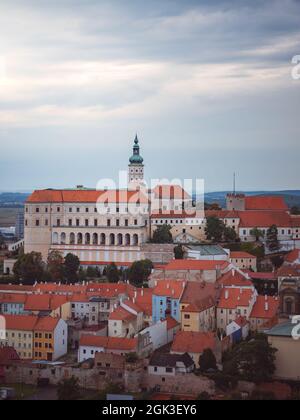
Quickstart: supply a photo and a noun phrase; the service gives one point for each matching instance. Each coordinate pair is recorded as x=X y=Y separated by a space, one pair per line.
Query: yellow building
x=50 y=339
x=18 y=333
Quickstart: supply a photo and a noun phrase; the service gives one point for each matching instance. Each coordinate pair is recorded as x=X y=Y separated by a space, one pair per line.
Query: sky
x=206 y=85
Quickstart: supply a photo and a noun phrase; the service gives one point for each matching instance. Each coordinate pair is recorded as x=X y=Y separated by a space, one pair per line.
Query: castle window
x=37 y=210
x=70 y=222
x=70 y=210
x=86 y=222
x=58 y=209
x=37 y=223
x=58 y=222
x=86 y=210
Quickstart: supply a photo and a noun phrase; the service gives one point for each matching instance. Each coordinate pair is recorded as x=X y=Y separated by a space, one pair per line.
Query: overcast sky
x=206 y=85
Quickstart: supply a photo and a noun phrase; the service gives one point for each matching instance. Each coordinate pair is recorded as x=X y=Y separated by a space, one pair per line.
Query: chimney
x=266 y=298
x=135 y=294
x=168 y=285
x=226 y=294
x=266 y=306
x=133 y=300
x=233 y=272
x=155 y=283
x=142 y=292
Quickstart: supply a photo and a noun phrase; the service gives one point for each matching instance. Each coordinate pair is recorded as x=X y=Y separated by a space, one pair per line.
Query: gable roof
x=193 y=342
x=195 y=265
x=265 y=203
x=196 y=291
x=233 y=298
x=46 y=323
x=170 y=288
x=20 y=322
x=292 y=256
x=264 y=219
x=265 y=307
x=108 y=343
x=120 y=314
x=86 y=196
x=235 y=278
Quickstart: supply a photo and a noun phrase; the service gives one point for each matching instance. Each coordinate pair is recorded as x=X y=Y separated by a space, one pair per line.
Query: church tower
x=135 y=167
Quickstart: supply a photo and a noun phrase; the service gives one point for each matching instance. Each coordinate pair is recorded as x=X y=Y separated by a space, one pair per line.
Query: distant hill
x=291 y=197
x=8 y=199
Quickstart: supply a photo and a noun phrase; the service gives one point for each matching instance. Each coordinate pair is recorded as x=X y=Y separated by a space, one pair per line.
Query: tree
x=277 y=261
x=29 y=267
x=214 y=229
x=71 y=267
x=204 y=396
x=139 y=272
x=131 y=357
x=252 y=360
x=178 y=252
x=68 y=389
x=272 y=239
x=55 y=265
x=163 y=235
x=207 y=361
x=295 y=210
x=229 y=234
x=112 y=273
x=257 y=233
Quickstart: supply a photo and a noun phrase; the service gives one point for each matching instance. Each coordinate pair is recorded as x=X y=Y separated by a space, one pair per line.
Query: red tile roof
x=265 y=203
x=288 y=271
x=46 y=323
x=293 y=256
x=20 y=322
x=13 y=298
x=193 y=342
x=234 y=278
x=233 y=298
x=195 y=265
x=200 y=305
x=264 y=219
x=171 y=323
x=265 y=307
x=120 y=314
x=170 y=192
x=262 y=276
x=171 y=288
x=108 y=343
x=86 y=196
x=44 y=302
x=241 y=321
x=295 y=221
x=196 y=291
x=8 y=354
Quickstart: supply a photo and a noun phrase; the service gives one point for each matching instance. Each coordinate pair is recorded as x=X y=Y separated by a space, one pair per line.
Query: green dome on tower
x=136 y=158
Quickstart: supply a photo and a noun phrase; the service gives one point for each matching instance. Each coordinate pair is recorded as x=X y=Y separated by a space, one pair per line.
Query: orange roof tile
x=234 y=278
x=265 y=203
x=171 y=323
x=171 y=288
x=200 y=305
x=233 y=298
x=264 y=219
x=193 y=342
x=293 y=256
x=196 y=291
x=108 y=343
x=288 y=271
x=170 y=192
x=13 y=298
x=20 y=322
x=86 y=196
x=265 y=308
x=46 y=323
x=120 y=314
x=195 y=265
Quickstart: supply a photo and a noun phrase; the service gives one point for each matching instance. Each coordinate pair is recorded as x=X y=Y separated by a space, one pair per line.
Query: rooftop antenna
x=234 y=187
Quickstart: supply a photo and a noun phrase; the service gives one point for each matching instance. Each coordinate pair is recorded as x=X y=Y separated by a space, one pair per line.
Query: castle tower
x=136 y=167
